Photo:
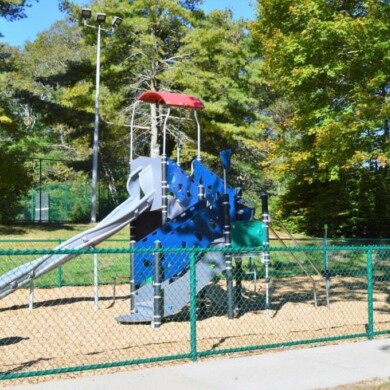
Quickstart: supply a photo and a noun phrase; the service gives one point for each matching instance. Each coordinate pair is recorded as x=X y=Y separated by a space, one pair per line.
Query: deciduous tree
x=329 y=60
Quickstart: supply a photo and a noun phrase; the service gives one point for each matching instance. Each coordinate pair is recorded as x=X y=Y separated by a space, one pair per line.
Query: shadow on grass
x=4 y=229
x=26 y=228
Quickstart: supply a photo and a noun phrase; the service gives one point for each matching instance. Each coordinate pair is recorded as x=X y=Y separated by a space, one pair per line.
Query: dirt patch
x=65 y=330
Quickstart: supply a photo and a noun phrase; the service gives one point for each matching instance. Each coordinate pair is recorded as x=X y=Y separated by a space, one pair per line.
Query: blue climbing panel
x=198 y=226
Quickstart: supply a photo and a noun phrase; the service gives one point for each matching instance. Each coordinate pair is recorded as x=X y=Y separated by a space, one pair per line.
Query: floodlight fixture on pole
x=116 y=21
x=86 y=13
x=101 y=17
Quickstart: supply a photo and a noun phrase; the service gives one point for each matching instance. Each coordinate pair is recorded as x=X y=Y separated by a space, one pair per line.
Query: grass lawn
x=49 y=231
x=77 y=271
x=80 y=271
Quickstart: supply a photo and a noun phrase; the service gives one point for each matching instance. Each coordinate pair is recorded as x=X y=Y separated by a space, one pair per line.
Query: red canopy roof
x=171 y=99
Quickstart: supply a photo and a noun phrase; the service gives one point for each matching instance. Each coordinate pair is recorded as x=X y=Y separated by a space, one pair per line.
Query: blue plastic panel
x=198 y=226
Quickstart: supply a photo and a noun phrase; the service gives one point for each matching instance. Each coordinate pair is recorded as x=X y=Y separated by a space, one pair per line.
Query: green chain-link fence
x=67 y=320
x=52 y=199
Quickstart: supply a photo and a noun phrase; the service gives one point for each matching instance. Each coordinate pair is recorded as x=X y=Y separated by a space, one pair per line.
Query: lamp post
x=86 y=14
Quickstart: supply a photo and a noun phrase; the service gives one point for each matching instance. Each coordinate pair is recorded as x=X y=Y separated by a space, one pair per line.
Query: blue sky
x=43 y=14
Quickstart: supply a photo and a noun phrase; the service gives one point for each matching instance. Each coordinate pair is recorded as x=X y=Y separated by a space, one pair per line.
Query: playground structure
x=169 y=208
x=176 y=219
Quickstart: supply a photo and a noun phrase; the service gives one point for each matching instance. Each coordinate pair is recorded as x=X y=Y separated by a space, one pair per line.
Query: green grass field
x=79 y=271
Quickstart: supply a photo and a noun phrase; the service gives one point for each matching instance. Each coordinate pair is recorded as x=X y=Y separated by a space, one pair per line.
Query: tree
x=143 y=48
x=35 y=117
x=162 y=45
x=14 y=10
x=133 y=60
x=11 y=10
x=220 y=64
x=54 y=75
x=329 y=60
x=54 y=78
x=14 y=179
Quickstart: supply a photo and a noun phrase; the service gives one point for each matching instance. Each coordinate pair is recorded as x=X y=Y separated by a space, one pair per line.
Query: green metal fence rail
x=59 y=324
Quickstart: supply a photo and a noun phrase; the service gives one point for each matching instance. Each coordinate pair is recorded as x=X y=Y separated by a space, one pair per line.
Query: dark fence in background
x=70 y=201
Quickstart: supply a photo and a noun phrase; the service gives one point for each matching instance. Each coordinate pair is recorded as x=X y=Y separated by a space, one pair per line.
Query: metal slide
x=141 y=197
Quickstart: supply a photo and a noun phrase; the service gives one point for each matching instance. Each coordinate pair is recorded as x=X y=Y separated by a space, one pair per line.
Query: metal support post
x=132 y=280
x=100 y=18
x=238 y=291
x=266 y=254
x=59 y=271
x=202 y=294
x=326 y=267
x=164 y=189
x=59 y=276
x=228 y=257
x=370 y=296
x=96 y=132
x=40 y=190
x=158 y=308
x=198 y=134
x=31 y=296
x=164 y=169
x=96 y=281
x=238 y=264
x=178 y=140
x=193 y=317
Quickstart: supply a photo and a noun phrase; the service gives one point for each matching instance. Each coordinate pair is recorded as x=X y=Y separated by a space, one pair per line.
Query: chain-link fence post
x=228 y=257
x=193 y=319
x=370 y=297
x=59 y=276
x=132 y=280
x=326 y=266
x=96 y=281
x=266 y=253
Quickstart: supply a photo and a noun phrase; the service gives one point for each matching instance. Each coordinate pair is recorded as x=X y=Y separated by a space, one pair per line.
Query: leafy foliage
x=15 y=138
x=219 y=64
x=301 y=95
x=13 y=10
x=329 y=60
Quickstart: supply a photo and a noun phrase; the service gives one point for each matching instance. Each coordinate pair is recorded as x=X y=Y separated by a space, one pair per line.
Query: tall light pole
x=86 y=13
